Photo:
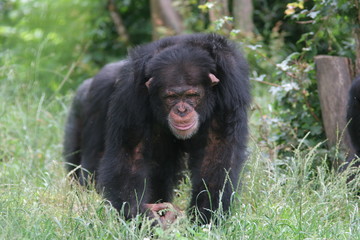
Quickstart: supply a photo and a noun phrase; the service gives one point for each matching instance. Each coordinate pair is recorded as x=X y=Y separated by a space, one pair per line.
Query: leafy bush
x=327 y=29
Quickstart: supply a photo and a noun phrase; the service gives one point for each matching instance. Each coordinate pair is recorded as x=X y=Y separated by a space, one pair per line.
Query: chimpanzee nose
x=181 y=110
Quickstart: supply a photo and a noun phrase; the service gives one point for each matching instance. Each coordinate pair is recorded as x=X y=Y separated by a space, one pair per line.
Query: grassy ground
x=278 y=201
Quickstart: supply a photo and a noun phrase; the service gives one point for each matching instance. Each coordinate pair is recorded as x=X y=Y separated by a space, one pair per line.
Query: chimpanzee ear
x=214 y=80
x=148 y=82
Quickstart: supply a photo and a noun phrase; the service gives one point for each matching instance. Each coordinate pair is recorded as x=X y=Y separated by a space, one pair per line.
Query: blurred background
x=57 y=44
x=291 y=185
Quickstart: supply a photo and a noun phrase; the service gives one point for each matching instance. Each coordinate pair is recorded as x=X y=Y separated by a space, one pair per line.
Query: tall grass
x=291 y=200
x=280 y=199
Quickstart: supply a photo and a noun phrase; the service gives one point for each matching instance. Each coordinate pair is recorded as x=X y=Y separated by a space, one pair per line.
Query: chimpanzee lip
x=183 y=126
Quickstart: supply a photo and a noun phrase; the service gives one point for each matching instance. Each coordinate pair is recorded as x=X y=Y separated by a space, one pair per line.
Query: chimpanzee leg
x=74 y=128
x=215 y=177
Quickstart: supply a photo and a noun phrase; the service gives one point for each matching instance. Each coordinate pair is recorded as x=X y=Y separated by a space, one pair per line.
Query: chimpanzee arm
x=123 y=171
x=142 y=173
x=123 y=179
x=215 y=177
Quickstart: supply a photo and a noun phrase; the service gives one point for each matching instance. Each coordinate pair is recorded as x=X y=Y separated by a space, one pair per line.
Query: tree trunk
x=218 y=11
x=117 y=20
x=334 y=78
x=357 y=39
x=166 y=21
x=243 y=16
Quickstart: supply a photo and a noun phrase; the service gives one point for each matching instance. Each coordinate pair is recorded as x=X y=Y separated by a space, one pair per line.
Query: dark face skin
x=180 y=103
x=180 y=100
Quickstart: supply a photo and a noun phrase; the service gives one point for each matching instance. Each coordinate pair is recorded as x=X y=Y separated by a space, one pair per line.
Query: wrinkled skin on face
x=180 y=104
x=183 y=120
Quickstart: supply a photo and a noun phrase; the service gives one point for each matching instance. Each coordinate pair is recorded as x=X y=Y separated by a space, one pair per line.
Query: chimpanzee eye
x=193 y=95
x=170 y=97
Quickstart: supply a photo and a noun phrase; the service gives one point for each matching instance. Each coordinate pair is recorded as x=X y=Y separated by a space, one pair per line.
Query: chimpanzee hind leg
x=73 y=129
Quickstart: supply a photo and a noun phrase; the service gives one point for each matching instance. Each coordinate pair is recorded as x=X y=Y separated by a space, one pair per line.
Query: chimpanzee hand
x=165 y=213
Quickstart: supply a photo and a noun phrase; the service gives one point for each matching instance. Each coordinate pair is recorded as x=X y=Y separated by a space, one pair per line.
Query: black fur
x=353 y=115
x=117 y=127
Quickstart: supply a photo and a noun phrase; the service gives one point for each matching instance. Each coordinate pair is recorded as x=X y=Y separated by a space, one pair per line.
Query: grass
x=291 y=200
x=280 y=198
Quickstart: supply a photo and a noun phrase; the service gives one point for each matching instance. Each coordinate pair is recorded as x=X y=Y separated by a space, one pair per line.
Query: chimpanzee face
x=179 y=102
x=179 y=86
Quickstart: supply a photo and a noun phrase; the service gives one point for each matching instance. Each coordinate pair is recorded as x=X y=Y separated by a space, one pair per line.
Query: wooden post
x=334 y=76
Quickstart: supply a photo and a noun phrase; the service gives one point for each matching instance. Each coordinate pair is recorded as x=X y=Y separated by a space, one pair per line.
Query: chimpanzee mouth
x=184 y=129
x=183 y=126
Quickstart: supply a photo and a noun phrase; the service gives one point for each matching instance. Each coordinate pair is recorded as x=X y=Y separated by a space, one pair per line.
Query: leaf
x=313 y=14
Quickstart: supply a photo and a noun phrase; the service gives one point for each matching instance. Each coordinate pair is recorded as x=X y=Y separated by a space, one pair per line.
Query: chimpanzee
x=353 y=115
x=178 y=102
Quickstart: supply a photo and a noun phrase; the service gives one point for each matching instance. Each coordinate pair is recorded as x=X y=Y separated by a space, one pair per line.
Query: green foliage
x=297 y=103
x=50 y=36
x=330 y=27
x=106 y=44
x=195 y=15
x=48 y=46
x=327 y=28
